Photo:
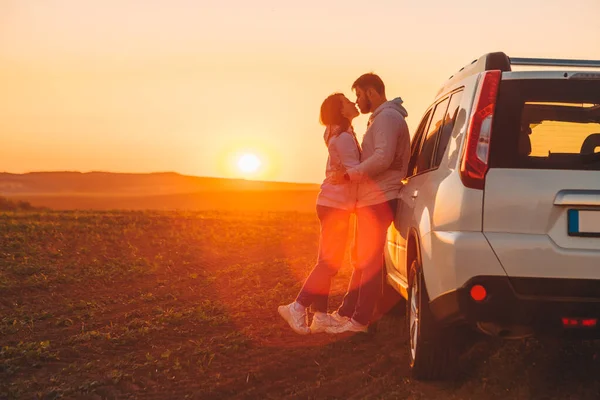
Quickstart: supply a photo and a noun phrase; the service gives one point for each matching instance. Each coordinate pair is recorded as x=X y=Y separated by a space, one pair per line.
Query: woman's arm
x=343 y=149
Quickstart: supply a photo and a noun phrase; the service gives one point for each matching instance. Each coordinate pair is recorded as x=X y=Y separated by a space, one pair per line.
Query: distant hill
x=154 y=191
x=131 y=184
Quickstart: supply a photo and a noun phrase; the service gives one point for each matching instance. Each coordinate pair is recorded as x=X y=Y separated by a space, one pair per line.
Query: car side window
x=449 y=122
x=425 y=158
x=415 y=145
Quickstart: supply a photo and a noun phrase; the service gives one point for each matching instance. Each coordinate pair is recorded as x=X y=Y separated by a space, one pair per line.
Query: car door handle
x=415 y=194
x=577 y=198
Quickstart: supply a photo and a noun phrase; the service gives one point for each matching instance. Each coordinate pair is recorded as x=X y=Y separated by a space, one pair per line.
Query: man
x=385 y=156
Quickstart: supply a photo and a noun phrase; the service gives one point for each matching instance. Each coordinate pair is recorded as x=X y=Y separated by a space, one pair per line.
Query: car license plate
x=584 y=223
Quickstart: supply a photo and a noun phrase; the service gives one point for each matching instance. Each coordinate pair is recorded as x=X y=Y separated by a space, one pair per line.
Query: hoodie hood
x=395 y=104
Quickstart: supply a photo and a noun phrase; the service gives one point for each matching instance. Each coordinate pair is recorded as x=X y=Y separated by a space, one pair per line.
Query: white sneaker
x=340 y=319
x=348 y=326
x=322 y=321
x=296 y=317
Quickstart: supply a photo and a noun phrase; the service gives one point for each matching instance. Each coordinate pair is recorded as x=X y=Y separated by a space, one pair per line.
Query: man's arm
x=386 y=129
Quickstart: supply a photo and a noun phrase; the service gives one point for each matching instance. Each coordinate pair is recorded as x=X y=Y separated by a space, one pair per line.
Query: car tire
x=433 y=350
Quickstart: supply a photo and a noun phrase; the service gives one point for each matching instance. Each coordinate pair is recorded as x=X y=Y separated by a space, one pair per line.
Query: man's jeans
x=335 y=224
x=365 y=286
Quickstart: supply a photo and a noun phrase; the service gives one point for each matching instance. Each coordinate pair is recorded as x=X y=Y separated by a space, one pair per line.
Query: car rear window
x=547 y=124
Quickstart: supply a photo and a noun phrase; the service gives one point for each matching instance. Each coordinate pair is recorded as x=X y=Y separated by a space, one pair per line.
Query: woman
x=335 y=203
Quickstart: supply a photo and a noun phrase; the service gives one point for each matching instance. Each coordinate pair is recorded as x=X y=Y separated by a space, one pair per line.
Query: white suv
x=498 y=224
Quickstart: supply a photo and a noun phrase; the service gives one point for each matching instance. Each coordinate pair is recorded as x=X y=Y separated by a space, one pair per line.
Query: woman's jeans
x=335 y=226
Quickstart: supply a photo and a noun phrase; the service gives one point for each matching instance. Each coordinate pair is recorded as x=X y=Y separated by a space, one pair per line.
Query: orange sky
x=188 y=86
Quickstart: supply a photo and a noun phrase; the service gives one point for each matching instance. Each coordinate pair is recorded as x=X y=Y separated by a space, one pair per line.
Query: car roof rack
x=555 y=62
x=500 y=61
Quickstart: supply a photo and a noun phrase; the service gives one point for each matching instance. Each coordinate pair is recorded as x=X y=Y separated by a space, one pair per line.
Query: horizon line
x=155 y=173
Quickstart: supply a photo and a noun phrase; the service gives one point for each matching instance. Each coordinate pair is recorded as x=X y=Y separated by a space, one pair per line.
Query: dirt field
x=159 y=305
x=246 y=201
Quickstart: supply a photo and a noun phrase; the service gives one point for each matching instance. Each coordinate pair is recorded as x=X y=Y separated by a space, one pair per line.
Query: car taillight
x=579 y=322
x=590 y=322
x=569 y=322
x=474 y=164
x=478 y=293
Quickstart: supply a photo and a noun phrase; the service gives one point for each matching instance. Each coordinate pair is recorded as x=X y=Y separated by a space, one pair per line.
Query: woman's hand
x=338 y=177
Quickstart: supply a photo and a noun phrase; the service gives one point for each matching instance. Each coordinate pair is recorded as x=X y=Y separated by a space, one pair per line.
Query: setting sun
x=249 y=163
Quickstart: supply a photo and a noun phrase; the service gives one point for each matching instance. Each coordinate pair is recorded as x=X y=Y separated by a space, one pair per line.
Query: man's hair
x=369 y=80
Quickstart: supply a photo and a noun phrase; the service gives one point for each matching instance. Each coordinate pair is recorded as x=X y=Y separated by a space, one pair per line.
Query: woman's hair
x=331 y=112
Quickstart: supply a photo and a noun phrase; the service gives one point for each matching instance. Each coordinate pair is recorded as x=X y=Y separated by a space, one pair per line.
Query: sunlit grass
x=142 y=304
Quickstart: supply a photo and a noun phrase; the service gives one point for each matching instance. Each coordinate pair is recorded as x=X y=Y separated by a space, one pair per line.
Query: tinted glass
x=424 y=160
x=415 y=145
x=547 y=124
x=449 y=122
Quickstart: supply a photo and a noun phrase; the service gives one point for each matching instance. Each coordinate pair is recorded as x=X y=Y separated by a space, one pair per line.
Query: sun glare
x=249 y=163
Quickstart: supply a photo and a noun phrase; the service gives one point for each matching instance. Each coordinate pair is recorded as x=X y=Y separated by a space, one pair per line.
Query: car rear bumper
x=536 y=303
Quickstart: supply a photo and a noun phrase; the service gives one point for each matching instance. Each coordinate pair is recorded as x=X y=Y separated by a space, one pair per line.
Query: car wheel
x=432 y=348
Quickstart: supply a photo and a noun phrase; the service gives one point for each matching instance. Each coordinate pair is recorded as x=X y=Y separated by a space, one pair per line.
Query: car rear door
x=542 y=191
